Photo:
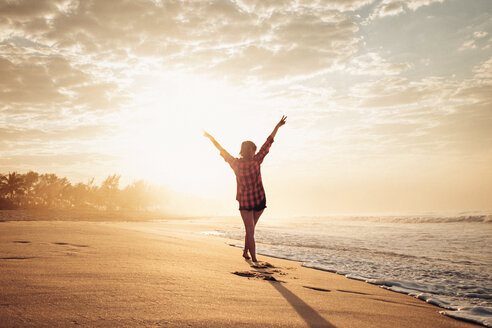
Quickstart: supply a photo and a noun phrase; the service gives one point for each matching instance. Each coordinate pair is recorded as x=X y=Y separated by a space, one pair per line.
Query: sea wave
x=486 y=218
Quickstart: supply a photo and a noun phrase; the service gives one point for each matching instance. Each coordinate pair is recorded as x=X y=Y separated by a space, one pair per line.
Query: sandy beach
x=169 y=274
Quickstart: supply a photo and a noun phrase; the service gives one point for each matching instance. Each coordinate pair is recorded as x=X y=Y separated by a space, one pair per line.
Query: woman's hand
x=216 y=144
x=282 y=121
x=279 y=124
x=207 y=135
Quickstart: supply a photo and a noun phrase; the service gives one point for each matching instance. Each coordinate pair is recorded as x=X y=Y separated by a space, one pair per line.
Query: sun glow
x=164 y=143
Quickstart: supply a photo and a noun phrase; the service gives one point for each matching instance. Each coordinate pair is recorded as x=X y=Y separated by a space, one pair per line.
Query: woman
x=250 y=193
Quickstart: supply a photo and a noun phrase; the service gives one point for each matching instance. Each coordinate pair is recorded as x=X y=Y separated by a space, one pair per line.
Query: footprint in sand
x=351 y=292
x=257 y=275
x=262 y=265
x=18 y=257
x=317 y=288
x=68 y=244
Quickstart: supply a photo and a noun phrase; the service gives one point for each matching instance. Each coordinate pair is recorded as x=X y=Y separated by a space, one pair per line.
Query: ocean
x=444 y=260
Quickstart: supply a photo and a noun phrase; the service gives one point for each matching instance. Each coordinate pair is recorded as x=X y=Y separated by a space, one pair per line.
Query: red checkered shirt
x=250 y=192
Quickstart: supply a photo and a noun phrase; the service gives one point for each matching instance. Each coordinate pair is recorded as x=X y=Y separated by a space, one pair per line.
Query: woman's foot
x=245 y=255
x=254 y=259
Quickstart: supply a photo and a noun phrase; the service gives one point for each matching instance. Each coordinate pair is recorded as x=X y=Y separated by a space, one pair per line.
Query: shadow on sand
x=307 y=313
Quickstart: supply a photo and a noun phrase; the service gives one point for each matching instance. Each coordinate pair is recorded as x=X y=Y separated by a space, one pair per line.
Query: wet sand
x=169 y=274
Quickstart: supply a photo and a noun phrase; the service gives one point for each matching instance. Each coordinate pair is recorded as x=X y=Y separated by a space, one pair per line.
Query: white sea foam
x=213 y=233
x=446 y=261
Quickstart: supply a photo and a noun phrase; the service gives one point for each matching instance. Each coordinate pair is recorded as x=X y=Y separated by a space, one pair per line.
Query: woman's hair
x=248 y=150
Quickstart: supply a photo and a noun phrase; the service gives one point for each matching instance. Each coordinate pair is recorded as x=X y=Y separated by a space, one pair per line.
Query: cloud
x=484 y=70
x=80 y=132
x=476 y=40
x=28 y=82
x=267 y=7
x=397 y=92
x=25 y=10
x=372 y=63
x=416 y=4
x=221 y=36
x=427 y=116
x=391 y=9
x=54 y=83
x=479 y=34
x=397 y=7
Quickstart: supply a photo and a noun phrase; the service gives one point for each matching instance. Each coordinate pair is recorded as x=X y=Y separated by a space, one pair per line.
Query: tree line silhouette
x=34 y=190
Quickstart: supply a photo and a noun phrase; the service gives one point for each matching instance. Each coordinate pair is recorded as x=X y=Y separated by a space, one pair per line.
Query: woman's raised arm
x=223 y=152
x=279 y=124
x=216 y=144
x=266 y=146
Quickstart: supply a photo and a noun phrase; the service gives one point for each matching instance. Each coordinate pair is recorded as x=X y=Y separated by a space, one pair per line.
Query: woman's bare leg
x=249 y=225
x=245 y=250
x=256 y=217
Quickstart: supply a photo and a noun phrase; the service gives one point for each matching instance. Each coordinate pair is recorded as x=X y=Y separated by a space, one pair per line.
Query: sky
x=389 y=102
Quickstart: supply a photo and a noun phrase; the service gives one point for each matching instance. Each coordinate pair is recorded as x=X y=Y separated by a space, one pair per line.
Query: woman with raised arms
x=250 y=192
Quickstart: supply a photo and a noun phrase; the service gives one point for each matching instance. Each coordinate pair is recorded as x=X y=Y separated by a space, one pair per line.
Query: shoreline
x=410 y=268
x=174 y=275
x=347 y=276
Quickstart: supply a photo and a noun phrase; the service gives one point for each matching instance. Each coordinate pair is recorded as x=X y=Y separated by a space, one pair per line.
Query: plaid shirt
x=250 y=192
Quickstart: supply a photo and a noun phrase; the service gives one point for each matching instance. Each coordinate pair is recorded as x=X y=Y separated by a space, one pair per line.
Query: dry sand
x=168 y=274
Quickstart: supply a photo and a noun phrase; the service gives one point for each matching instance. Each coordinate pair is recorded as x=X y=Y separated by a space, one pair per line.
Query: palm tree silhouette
x=31 y=178
x=12 y=185
x=109 y=191
x=35 y=190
